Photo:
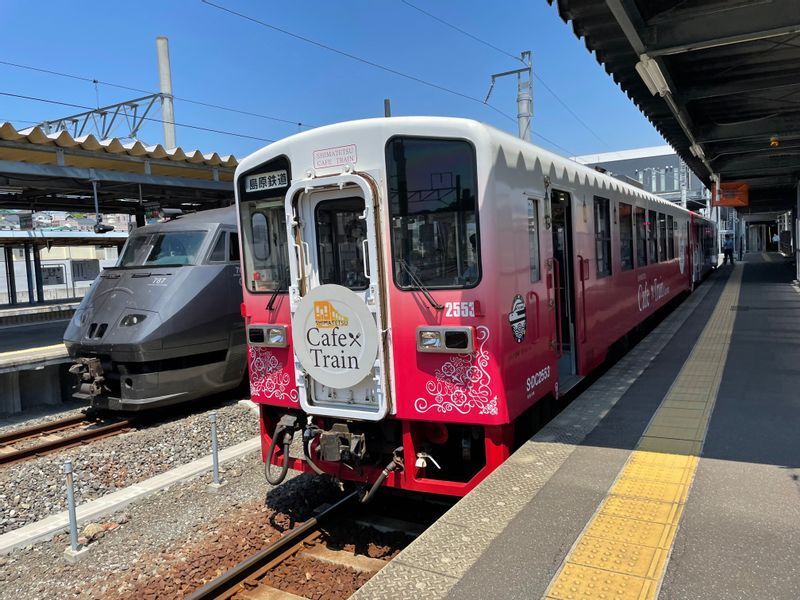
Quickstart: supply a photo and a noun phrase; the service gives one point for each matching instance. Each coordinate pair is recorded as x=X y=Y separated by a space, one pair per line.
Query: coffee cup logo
x=335 y=337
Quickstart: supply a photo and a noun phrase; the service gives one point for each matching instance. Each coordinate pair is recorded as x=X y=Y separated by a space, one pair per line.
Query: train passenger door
x=335 y=238
x=562 y=274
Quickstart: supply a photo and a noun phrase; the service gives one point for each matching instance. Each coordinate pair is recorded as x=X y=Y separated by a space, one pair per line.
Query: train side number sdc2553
x=536 y=379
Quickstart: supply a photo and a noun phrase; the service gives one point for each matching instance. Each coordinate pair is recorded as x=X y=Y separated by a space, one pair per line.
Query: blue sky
x=221 y=59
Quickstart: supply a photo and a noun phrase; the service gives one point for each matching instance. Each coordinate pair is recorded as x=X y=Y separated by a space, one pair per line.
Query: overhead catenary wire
x=358 y=58
x=150 y=92
x=186 y=125
x=515 y=57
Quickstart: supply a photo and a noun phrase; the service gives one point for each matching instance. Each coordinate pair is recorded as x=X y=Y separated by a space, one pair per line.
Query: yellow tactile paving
x=623 y=552
x=677 y=433
x=658 y=444
x=657 y=473
x=647 y=490
x=639 y=508
x=629 y=559
x=585 y=582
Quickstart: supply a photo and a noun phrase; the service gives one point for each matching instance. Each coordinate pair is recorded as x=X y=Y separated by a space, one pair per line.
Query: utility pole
x=165 y=82
x=524 y=94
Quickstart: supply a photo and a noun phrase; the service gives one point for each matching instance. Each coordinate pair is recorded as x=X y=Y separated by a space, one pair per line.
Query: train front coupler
x=91 y=378
x=337 y=444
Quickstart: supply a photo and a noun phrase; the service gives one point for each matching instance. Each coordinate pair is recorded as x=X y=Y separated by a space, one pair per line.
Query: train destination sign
x=266 y=181
x=335 y=337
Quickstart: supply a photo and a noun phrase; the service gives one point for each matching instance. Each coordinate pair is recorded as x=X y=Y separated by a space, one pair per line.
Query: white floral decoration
x=462 y=383
x=267 y=376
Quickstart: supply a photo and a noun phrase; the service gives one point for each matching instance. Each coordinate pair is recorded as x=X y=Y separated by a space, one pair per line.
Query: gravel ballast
x=35 y=489
x=40 y=416
x=149 y=540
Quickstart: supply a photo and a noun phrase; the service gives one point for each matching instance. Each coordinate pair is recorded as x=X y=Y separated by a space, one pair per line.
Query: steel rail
x=225 y=585
x=91 y=433
x=52 y=426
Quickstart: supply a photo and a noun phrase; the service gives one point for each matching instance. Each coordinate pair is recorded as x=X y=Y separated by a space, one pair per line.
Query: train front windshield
x=432 y=201
x=163 y=248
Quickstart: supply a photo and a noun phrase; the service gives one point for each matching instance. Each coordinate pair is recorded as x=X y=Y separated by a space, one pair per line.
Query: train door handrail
x=557 y=293
x=581 y=262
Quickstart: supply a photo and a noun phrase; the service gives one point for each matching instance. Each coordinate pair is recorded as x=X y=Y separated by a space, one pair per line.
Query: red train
x=414 y=286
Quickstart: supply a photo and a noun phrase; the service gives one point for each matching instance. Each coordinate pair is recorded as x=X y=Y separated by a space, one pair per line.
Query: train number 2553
x=459 y=309
x=536 y=379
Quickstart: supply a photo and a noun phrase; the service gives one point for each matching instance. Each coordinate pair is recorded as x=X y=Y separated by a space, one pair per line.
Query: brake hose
x=308 y=436
x=397 y=463
x=279 y=430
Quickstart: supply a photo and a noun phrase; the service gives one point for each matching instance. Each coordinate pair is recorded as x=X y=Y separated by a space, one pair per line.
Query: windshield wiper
x=276 y=291
x=416 y=283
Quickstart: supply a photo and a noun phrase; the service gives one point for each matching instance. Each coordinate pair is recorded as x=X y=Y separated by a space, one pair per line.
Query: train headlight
x=131 y=320
x=429 y=340
x=276 y=337
x=271 y=336
x=452 y=340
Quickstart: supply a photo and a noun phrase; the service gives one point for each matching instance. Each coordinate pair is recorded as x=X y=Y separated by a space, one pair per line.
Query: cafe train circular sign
x=335 y=337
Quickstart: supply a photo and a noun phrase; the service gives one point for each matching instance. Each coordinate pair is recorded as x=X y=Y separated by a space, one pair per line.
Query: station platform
x=33 y=365
x=675 y=475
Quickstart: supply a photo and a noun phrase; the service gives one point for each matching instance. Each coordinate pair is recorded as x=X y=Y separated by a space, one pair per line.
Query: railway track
x=30 y=442
x=312 y=552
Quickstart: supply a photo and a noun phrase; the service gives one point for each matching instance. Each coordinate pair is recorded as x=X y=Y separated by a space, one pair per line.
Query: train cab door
x=562 y=273
x=335 y=235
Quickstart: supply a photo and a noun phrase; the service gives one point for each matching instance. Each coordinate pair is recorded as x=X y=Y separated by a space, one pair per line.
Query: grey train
x=164 y=325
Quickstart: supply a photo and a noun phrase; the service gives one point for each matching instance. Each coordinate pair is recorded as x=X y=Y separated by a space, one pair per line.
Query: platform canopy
x=719 y=79
x=40 y=171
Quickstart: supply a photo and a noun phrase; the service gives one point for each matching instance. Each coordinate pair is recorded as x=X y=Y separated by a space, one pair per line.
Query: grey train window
x=433 y=209
x=533 y=238
x=626 y=236
x=602 y=236
x=662 y=237
x=218 y=253
x=166 y=248
x=233 y=248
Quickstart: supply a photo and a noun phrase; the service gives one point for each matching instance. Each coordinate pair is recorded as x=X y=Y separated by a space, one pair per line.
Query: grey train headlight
x=130 y=320
x=271 y=336
x=452 y=340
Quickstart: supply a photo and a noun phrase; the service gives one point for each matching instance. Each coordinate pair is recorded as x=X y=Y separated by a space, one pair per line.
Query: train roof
x=203 y=218
x=459 y=127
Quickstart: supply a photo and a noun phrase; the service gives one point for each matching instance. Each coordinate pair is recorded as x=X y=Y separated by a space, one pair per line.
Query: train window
x=652 y=236
x=434 y=223
x=641 y=237
x=662 y=237
x=266 y=264
x=218 y=253
x=233 y=248
x=260 y=226
x=166 y=248
x=626 y=236
x=533 y=238
x=602 y=236
x=340 y=236
x=670 y=237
